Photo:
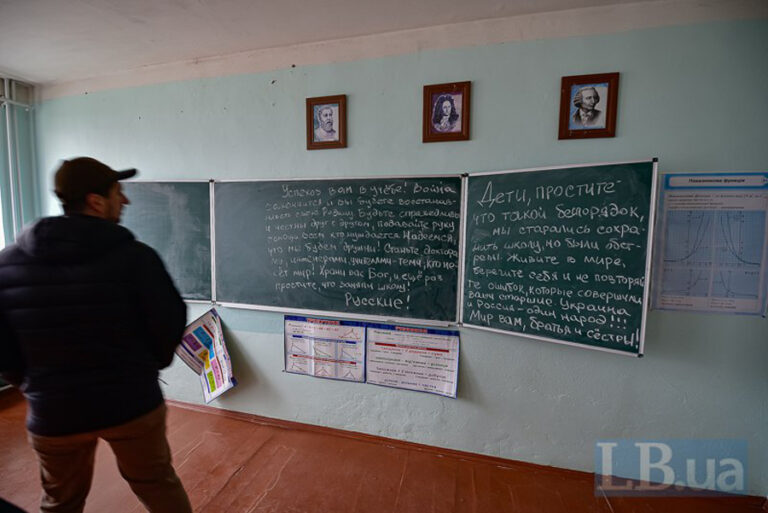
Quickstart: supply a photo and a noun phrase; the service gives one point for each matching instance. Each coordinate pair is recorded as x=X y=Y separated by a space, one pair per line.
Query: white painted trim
x=339 y=178
x=163 y=180
x=649 y=251
x=19 y=190
x=462 y=246
x=343 y=315
x=10 y=136
x=212 y=231
x=553 y=340
x=12 y=102
x=553 y=168
x=551 y=25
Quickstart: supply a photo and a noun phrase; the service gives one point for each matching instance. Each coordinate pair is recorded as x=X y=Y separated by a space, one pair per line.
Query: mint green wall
x=694 y=96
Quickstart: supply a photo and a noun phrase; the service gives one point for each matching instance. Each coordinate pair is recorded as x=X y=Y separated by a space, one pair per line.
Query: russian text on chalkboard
x=561 y=254
x=382 y=247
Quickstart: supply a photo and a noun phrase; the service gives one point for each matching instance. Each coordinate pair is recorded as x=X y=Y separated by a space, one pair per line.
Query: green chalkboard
x=385 y=247
x=174 y=218
x=560 y=254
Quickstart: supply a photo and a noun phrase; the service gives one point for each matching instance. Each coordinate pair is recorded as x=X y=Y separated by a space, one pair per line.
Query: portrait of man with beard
x=325 y=124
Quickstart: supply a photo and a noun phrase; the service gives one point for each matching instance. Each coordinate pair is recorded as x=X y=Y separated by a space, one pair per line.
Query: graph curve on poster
x=561 y=254
x=368 y=246
x=174 y=218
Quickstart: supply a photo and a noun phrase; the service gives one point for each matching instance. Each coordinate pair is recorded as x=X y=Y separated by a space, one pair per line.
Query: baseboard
x=381 y=440
x=753 y=501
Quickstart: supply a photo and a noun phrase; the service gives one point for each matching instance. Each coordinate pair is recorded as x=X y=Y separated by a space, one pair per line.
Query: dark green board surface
x=174 y=218
x=386 y=247
x=560 y=254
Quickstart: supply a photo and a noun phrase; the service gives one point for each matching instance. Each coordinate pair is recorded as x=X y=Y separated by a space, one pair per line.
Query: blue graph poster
x=711 y=251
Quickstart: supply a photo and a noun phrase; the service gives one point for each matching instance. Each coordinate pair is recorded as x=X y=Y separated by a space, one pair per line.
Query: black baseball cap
x=78 y=177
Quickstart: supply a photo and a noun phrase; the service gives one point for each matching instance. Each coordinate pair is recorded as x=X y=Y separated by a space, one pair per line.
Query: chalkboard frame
x=333 y=313
x=211 y=231
x=648 y=257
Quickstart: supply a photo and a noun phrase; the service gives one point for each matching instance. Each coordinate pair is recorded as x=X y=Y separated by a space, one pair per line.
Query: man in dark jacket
x=88 y=316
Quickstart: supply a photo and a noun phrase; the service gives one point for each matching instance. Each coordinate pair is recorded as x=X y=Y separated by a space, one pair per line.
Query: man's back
x=88 y=316
x=94 y=317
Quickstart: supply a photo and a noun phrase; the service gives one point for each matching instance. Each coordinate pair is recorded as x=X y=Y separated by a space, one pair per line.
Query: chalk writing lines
x=581 y=232
x=366 y=245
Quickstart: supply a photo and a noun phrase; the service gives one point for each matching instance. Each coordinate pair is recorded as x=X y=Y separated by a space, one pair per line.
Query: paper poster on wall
x=203 y=349
x=325 y=348
x=711 y=255
x=423 y=359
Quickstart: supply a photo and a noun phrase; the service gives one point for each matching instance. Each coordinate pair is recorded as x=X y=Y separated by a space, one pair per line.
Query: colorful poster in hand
x=203 y=349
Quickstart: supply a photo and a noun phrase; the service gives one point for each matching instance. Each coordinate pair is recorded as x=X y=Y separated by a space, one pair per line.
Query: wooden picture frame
x=327 y=122
x=446 y=112
x=596 y=117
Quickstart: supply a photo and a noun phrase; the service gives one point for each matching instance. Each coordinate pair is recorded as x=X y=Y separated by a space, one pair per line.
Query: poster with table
x=422 y=359
x=325 y=348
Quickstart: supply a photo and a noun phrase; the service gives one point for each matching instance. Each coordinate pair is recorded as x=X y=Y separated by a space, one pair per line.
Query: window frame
x=17 y=156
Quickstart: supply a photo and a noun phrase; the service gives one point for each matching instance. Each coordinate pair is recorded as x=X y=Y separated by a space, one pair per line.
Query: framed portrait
x=446 y=112
x=327 y=122
x=588 y=106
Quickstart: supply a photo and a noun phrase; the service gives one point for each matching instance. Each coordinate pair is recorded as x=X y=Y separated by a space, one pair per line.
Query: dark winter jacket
x=88 y=316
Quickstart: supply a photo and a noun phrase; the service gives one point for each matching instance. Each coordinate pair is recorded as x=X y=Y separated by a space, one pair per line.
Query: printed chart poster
x=711 y=254
x=325 y=348
x=422 y=359
x=203 y=349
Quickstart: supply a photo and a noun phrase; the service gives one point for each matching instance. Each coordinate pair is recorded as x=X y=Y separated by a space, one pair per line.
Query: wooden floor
x=238 y=463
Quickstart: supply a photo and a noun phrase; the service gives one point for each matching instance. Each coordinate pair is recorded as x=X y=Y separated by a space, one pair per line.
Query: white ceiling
x=50 y=41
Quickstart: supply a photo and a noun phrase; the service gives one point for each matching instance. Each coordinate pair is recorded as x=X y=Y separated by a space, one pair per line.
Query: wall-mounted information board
x=422 y=359
x=561 y=254
x=378 y=247
x=325 y=348
x=174 y=218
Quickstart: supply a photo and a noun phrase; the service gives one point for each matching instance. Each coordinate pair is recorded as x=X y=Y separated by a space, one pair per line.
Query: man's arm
x=165 y=312
x=11 y=361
